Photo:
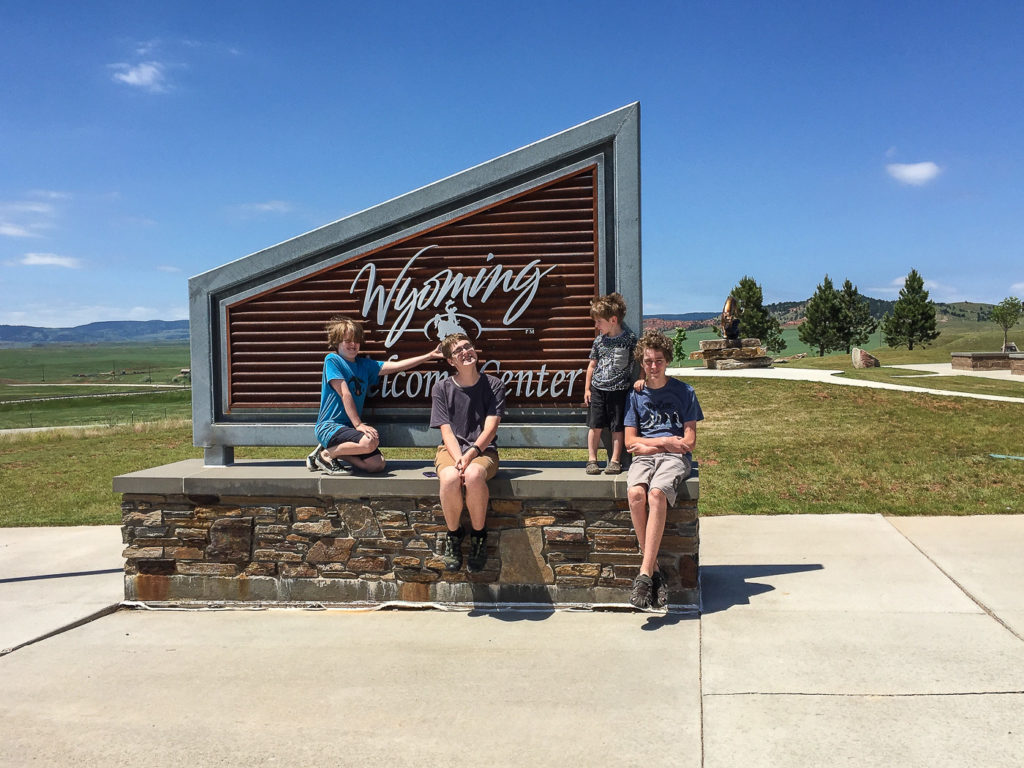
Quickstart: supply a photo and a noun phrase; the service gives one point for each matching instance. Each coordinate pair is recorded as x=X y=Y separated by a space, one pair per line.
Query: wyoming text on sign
x=517 y=277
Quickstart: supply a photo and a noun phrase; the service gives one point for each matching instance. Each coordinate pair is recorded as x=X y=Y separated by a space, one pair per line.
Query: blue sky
x=145 y=142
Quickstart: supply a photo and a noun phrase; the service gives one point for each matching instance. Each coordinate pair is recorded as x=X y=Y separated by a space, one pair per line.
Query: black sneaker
x=640 y=597
x=311 y=464
x=660 y=590
x=453 y=550
x=477 y=550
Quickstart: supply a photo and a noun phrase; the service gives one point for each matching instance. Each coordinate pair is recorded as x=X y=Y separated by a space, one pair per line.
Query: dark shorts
x=350 y=435
x=607 y=409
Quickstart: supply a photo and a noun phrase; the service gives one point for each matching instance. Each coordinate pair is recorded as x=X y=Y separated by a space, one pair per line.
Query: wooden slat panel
x=277 y=341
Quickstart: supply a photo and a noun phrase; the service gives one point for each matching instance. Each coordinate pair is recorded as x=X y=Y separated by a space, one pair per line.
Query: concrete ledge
x=981 y=361
x=273 y=532
x=274 y=478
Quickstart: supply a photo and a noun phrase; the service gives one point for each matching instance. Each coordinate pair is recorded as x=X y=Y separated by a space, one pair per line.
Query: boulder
x=862 y=359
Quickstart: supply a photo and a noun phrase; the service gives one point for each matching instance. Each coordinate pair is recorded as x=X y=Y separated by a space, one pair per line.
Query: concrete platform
x=82 y=575
x=809 y=652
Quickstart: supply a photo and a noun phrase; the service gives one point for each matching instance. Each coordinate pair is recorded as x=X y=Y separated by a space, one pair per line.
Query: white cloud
x=14 y=230
x=916 y=174
x=271 y=207
x=936 y=291
x=49 y=194
x=1017 y=289
x=50 y=260
x=147 y=75
x=147 y=47
x=68 y=316
x=166 y=268
x=25 y=218
x=890 y=152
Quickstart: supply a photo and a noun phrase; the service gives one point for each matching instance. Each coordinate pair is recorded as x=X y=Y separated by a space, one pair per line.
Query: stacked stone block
x=388 y=550
x=726 y=354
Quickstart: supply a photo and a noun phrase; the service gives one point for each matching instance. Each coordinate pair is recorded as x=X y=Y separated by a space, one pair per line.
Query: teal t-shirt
x=360 y=375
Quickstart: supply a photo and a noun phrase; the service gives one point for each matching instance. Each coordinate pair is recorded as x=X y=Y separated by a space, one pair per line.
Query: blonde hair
x=340 y=328
x=608 y=306
x=656 y=340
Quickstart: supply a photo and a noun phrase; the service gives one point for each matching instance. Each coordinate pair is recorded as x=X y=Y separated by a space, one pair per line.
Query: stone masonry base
x=271 y=532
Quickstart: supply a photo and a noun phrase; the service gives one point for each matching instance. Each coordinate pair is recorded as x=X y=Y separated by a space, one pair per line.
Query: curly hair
x=340 y=328
x=608 y=306
x=656 y=340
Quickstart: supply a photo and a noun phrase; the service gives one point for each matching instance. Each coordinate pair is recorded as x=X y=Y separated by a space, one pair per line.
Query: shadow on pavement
x=723 y=586
x=538 y=614
x=59 y=575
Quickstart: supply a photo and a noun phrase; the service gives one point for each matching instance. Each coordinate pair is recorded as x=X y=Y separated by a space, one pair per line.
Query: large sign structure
x=509 y=252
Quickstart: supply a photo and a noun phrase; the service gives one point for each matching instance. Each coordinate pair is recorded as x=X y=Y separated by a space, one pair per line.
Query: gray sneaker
x=660 y=590
x=640 y=597
x=453 y=549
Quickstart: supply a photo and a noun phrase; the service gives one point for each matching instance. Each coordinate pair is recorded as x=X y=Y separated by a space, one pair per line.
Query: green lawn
x=910 y=378
x=152 y=405
x=765 y=447
x=94 y=363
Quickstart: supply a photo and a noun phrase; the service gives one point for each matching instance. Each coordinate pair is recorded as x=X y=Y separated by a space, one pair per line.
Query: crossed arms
x=647 y=446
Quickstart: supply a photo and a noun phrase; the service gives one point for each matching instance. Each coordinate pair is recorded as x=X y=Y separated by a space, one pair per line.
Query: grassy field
x=910 y=378
x=956 y=336
x=118 y=408
x=94 y=363
x=92 y=385
x=765 y=447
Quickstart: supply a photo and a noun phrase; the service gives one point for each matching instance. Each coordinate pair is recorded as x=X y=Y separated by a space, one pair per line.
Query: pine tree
x=821 y=327
x=1006 y=314
x=678 y=337
x=755 y=321
x=855 y=321
x=913 y=316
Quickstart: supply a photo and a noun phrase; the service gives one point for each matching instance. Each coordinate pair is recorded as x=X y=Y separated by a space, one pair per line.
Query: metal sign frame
x=610 y=144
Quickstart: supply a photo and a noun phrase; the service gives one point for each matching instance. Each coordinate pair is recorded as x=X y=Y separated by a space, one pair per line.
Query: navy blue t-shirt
x=663 y=412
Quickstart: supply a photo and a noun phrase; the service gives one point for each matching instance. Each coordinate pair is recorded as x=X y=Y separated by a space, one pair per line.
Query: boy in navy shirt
x=661 y=431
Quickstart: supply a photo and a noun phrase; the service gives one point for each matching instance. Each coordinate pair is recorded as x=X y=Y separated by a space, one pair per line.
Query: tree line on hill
x=840 y=319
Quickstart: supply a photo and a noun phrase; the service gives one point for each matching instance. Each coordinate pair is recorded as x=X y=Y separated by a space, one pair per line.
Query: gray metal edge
x=620 y=126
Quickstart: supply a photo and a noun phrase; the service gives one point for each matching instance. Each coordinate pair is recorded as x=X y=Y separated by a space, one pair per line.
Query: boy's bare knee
x=636 y=494
x=449 y=476
x=656 y=494
x=374 y=464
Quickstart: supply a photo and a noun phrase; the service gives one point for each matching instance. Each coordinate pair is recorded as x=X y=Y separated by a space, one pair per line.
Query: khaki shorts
x=664 y=471
x=488 y=460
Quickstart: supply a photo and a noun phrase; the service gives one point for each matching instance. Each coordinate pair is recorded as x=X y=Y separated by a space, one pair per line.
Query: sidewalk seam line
x=959 y=586
x=700 y=681
x=872 y=695
x=105 y=611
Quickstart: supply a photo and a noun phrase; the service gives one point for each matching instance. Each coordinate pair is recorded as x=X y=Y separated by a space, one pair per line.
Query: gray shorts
x=664 y=471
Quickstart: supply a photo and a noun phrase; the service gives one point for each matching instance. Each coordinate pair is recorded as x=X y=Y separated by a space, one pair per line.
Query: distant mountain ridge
x=176 y=331
x=97 y=333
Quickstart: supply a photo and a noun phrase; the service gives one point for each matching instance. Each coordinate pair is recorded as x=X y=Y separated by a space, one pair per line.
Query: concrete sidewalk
x=848 y=639
x=829 y=376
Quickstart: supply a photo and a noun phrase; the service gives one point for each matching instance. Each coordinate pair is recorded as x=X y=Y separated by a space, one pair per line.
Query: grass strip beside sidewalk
x=765 y=447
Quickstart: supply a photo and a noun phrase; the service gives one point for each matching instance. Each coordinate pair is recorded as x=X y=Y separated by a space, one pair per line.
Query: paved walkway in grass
x=830 y=377
x=853 y=640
